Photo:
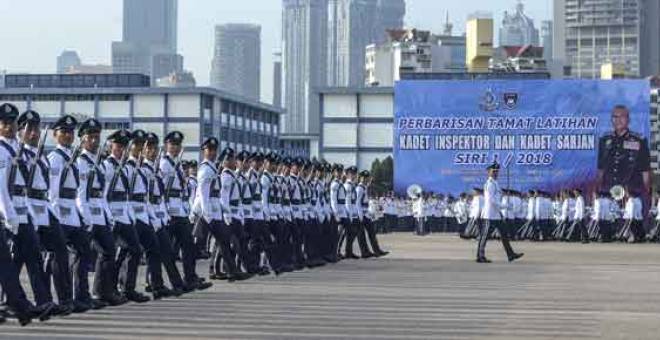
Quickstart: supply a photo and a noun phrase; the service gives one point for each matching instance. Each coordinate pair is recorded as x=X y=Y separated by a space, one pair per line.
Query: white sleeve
x=6 y=205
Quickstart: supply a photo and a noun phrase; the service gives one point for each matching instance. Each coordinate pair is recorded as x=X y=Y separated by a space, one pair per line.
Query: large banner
x=545 y=134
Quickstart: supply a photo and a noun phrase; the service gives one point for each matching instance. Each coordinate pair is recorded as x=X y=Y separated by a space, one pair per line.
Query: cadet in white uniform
x=96 y=214
x=367 y=217
x=63 y=190
x=116 y=194
x=492 y=217
x=179 y=226
x=338 y=205
x=269 y=204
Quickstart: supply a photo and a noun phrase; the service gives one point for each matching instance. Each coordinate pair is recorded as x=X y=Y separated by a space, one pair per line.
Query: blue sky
x=34 y=32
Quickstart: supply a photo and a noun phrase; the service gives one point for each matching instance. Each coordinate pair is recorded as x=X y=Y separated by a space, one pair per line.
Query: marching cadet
x=633 y=219
x=158 y=216
x=268 y=199
x=527 y=230
x=208 y=206
x=492 y=217
x=175 y=200
x=330 y=228
x=389 y=209
x=51 y=237
x=261 y=237
x=461 y=212
x=138 y=189
x=287 y=215
x=578 y=230
x=62 y=193
x=249 y=234
x=95 y=214
x=26 y=248
x=116 y=194
x=474 y=223
x=200 y=234
x=355 y=228
x=297 y=202
x=338 y=204
x=12 y=220
x=654 y=233
x=367 y=218
x=281 y=214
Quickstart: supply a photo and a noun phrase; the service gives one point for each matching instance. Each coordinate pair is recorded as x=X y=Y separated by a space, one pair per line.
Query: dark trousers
x=356 y=230
x=151 y=249
x=371 y=233
x=200 y=239
x=280 y=230
x=486 y=226
x=298 y=240
x=168 y=258
x=239 y=244
x=222 y=252
x=57 y=260
x=181 y=231
x=9 y=279
x=254 y=244
x=261 y=242
x=27 y=251
x=130 y=253
x=311 y=239
x=103 y=243
x=390 y=223
x=78 y=241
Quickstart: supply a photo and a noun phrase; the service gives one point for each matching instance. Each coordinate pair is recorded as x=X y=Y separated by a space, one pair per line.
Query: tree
x=387 y=167
x=376 y=173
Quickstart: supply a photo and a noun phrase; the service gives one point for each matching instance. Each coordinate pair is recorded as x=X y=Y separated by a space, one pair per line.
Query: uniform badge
x=7 y=109
x=69 y=121
x=510 y=100
x=631 y=146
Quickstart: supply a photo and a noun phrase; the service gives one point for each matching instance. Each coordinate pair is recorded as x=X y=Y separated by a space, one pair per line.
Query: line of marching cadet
x=251 y=213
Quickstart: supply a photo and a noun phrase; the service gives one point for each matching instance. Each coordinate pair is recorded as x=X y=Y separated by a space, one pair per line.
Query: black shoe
x=161 y=293
x=239 y=277
x=264 y=271
x=148 y=289
x=24 y=318
x=382 y=253
x=515 y=257
x=368 y=255
x=187 y=288
x=97 y=304
x=136 y=297
x=176 y=291
x=114 y=300
x=63 y=309
x=221 y=276
x=483 y=260
x=44 y=311
x=351 y=256
x=204 y=285
x=80 y=306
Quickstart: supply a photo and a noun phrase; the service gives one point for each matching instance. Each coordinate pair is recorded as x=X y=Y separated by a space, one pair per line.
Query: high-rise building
x=518 y=29
x=277 y=79
x=67 y=60
x=590 y=34
x=304 y=34
x=546 y=39
x=236 y=65
x=352 y=25
x=389 y=16
x=149 y=41
x=478 y=42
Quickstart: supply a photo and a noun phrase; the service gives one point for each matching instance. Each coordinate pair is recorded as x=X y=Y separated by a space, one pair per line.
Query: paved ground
x=429 y=288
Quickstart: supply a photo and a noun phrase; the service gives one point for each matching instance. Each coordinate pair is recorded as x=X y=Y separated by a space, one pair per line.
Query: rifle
x=37 y=157
x=14 y=163
x=170 y=182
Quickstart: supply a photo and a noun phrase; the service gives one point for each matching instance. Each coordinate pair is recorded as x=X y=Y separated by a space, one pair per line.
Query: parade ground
x=427 y=288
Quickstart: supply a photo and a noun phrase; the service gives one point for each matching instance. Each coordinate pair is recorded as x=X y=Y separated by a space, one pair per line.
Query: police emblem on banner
x=510 y=100
x=488 y=101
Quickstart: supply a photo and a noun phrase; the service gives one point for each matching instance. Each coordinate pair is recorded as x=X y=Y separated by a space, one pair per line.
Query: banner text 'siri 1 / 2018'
x=545 y=134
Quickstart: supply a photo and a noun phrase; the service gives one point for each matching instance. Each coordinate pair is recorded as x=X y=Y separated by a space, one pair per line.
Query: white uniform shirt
x=267 y=196
x=175 y=184
x=579 y=208
x=138 y=185
x=63 y=178
x=633 y=209
x=13 y=207
x=118 y=209
x=230 y=196
x=338 y=199
x=94 y=209
x=476 y=205
x=349 y=188
x=207 y=194
x=492 y=200
x=156 y=207
x=38 y=208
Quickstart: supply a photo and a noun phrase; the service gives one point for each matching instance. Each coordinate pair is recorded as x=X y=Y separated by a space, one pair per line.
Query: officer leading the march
x=492 y=217
x=623 y=156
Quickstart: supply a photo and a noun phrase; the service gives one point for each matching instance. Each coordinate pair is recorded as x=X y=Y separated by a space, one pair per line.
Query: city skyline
x=92 y=33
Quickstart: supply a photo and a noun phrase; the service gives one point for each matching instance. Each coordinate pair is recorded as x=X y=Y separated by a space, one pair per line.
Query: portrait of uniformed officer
x=623 y=155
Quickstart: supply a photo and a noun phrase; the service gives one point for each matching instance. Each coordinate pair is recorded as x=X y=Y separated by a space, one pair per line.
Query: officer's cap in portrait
x=365 y=173
x=28 y=117
x=89 y=126
x=337 y=167
x=210 y=143
x=174 y=137
x=192 y=163
x=287 y=161
x=351 y=170
x=8 y=112
x=66 y=122
x=271 y=157
x=120 y=137
x=256 y=156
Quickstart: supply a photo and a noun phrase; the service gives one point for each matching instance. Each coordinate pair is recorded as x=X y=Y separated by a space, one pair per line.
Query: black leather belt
x=138 y=197
x=247 y=202
x=155 y=200
x=38 y=194
x=96 y=193
x=174 y=194
x=296 y=202
x=214 y=193
x=68 y=193
x=17 y=191
x=341 y=201
x=117 y=196
x=256 y=197
x=234 y=203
